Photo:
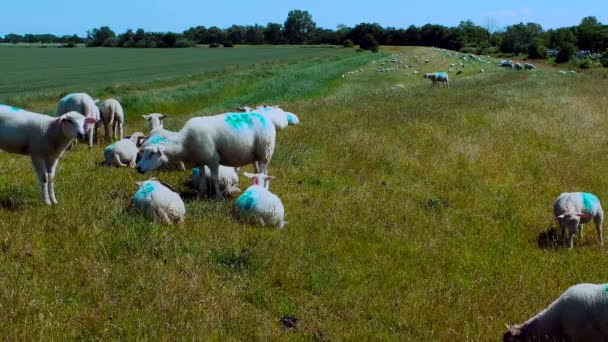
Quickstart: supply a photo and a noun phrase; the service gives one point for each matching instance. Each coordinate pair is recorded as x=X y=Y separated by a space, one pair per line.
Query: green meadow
x=415 y=213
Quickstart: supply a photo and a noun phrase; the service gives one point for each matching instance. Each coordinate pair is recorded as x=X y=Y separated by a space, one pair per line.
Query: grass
x=413 y=212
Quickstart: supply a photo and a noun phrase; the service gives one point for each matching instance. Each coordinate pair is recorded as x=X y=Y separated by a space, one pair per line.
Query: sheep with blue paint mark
x=228 y=178
x=159 y=202
x=113 y=118
x=573 y=209
x=280 y=118
x=43 y=138
x=438 y=77
x=123 y=153
x=230 y=139
x=260 y=206
x=579 y=314
x=83 y=104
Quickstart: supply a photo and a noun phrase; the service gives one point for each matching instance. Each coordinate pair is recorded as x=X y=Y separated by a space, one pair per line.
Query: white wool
x=228 y=178
x=258 y=205
x=123 y=153
x=158 y=202
x=113 y=118
x=43 y=138
x=438 y=77
x=83 y=104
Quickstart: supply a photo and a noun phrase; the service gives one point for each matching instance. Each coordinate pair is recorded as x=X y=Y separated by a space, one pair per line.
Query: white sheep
x=155 y=120
x=83 y=104
x=280 y=118
x=113 y=118
x=579 y=314
x=258 y=205
x=573 y=209
x=529 y=66
x=123 y=153
x=438 y=77
x=43 y=138
x=230 y=139
x=228 y=178
x=517 y=66
x=159 y=202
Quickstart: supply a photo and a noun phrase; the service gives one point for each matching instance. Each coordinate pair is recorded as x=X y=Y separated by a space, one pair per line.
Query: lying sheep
x=579 y=314
x=573 y=209
x=228 y=178
x=83 y=104
x=230 y=139
x=159 y=202
x=438 y=77
x=258 y=205
x=123 y=153
x=43 y=138
x=113 y=118
x=529 y=66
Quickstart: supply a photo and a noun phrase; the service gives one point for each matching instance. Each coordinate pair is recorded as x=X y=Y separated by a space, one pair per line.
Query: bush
x=214 y=45
x=184 y=43
x=537 y=51
x=586 y=64
x=565 y=53
x=69 y=45
x=369 y=42
x=110 y=42
x=349 y=43
x=604 y=59
x=228 y=44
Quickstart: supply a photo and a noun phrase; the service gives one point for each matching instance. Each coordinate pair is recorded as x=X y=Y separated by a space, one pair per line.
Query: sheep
x=123 y=153
x=518 y=66
x=438 y=77
x=459 y=72
x=257 y=204
x=230 y=139
x=113 y=118
x=159 y=202
x=228 y=178
x=452 y=65
x=574 y=209
x=83 y=104
x=482 y=70
x=529 y=66
x=280 y=118
x=579 y=314
x=155 y=120
x=43 y=138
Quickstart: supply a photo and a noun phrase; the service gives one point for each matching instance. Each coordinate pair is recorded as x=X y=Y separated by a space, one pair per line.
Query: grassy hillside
x=413 y=212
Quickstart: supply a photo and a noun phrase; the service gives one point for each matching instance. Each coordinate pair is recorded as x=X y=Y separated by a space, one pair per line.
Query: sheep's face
x=259 y=179
x=74 y=124
x=155 y=120
x=136 y=138
x=514 y=333
x=152 y=157
x=568 y=219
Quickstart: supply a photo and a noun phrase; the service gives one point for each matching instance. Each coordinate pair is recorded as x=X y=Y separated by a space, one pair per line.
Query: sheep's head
x=137 y=138
x=292 y=119
x=259 y=179
x=74 y=124
x=514 y=333
x=427 y=75
x=155 y=120
x=151 y=158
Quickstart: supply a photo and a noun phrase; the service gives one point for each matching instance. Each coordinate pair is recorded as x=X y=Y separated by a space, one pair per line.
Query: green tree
x=369 y=42
x=299 y=27
x=589 y=34
x=518 y=38
x=97 y=37
x=273 y=33
x=565 y=53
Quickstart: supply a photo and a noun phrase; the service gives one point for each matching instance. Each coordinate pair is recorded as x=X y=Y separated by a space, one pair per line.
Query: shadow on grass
x=549 y=239
x=12 y=203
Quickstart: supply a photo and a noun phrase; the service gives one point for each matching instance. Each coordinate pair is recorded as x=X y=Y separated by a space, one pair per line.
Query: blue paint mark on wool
x=196 y=171
x=14 y=109
x=589 y=202
x=108 y=151
x=248 y=200
x=145 y=190
x=155 y=140
x=442 y=74
x=244 y=120
x=290 y=118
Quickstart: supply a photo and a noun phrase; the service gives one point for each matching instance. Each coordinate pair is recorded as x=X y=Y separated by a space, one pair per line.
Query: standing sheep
x=257 y=204
x=280 y=118
x=123 y=153
x=228 y=177
x=573 y=209
x=518 y=66
x=83 y=104
x=529 y=66
x=159 y=202
x=438 y=77
x=43 y=138
x=231 y=139
x=579 y=314
x=113 y=118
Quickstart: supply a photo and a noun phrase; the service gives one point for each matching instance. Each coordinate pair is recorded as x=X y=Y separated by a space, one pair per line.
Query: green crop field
x=414 y=213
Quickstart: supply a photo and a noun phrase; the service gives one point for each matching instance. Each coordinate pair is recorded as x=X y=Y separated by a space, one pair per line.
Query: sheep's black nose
x=140 y=170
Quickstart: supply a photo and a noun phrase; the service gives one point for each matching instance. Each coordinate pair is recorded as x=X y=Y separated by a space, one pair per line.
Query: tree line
x=300 y=28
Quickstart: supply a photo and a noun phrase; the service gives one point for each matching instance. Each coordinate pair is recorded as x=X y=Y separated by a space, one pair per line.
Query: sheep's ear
x=147 y=117
x=241 y=109
x=248 y=175
x=90 y=121
x=162 y=116
x=561 y=216
x=139 y=183
x=268 y=177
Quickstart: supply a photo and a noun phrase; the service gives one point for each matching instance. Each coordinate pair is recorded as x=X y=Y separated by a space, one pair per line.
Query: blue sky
x=77 y=16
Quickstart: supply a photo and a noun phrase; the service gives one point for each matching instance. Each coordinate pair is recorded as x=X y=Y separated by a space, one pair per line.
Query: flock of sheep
x=214 y=145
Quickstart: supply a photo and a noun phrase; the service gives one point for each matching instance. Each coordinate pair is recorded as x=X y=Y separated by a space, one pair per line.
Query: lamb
x=574 y=209
x=123 y=153
x=43 y=138
x=230 y=139
x=228 y=177
x=438 y=77
x=113 y=118
x=579 y=314
x=83 y=104
x=257 y=204
x=529 y=66
x=159 y=202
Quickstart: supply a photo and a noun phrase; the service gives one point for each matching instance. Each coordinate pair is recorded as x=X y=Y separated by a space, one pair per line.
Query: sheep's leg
x=91 y=137
x=202 y=186
x=119 y=162
x=51 y=178
x=122 y=132
x=107 y=127
x=580 y=232
x=163 y=217
x=215 y=182
x=598 y=220
x=40 y=167
x=132 y=163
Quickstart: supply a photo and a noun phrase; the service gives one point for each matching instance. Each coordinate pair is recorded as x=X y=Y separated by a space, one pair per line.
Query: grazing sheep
x=123 y=153
x=438 y=77
x=518 y=66
x=228 y=177
x=159 y=202
x=230 y=139
x=83 y=104
x=257 y=204
x=579 y=314
x=573 y=209
x=113 y=118
x=529 y=66
x=506 y=64
x=43 y=138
